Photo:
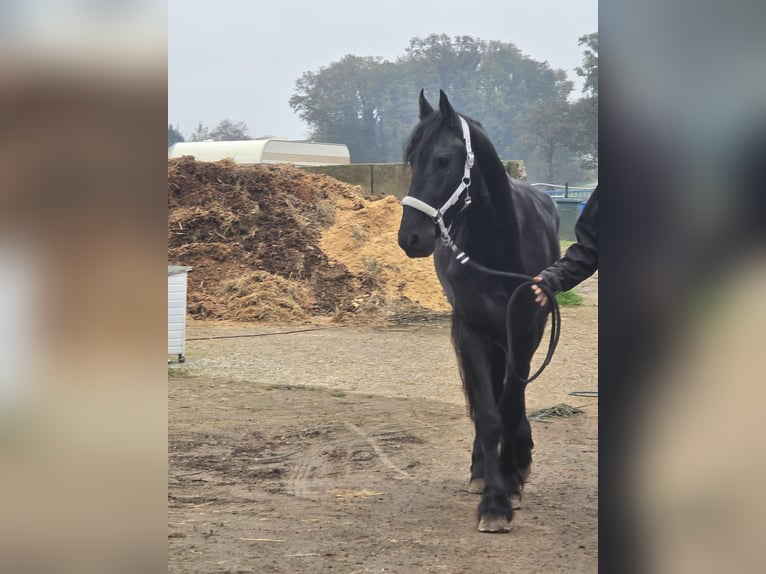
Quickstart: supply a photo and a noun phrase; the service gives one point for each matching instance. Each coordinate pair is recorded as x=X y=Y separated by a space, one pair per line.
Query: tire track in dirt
x=376 y=447
x=337 y=457
x=301 y=481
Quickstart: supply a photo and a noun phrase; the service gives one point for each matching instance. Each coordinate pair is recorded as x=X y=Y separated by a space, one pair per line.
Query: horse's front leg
x=498 y=366
x=475 y=355
x=517 y=444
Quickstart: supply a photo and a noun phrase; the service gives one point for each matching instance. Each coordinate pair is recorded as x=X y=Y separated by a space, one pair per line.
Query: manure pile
x=271 y=243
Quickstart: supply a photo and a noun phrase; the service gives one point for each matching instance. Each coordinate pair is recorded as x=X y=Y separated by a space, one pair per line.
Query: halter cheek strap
x=438 y=214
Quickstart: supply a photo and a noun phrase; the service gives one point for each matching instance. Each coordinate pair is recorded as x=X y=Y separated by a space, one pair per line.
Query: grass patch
x=174 y=373
x=177 y=535
x=568 y=299
x=337 y=394
x=559 y=411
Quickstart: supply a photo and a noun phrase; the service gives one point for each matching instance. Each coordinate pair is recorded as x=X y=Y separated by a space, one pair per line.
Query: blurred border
x=83 y=407
x=682 y=136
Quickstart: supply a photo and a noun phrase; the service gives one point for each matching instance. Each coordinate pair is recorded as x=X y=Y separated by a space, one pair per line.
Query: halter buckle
x=469 y=159
x=443 y=230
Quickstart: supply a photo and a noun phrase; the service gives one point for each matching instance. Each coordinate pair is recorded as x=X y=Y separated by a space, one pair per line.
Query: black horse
x=461 y=192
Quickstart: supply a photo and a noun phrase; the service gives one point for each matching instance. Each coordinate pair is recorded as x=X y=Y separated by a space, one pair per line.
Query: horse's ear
x=425 y=108
x=446 y=108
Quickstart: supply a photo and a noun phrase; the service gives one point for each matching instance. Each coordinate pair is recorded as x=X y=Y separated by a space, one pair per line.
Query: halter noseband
x=438 y=214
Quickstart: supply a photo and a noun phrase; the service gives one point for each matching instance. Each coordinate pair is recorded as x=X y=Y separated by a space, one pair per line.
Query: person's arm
x=580 y=260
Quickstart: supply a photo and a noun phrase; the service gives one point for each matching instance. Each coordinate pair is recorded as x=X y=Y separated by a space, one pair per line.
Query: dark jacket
x=581 y=259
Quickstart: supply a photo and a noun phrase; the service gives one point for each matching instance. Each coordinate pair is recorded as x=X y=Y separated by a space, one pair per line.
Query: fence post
x=372 y=180
x=566 y=189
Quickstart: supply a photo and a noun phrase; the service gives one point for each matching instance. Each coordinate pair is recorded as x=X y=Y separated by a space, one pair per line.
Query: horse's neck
x=494 y=228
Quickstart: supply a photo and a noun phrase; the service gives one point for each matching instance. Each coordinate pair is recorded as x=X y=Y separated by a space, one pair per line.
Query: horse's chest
x=483 y=307
x=475 y=297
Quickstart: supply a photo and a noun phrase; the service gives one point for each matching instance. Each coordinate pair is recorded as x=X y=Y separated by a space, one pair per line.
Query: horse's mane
x=424 y=135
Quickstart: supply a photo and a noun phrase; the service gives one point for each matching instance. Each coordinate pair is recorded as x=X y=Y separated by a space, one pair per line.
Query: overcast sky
x=239 y=59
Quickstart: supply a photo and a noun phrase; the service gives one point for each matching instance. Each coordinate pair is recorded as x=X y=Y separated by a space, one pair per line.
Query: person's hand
x=540 y=297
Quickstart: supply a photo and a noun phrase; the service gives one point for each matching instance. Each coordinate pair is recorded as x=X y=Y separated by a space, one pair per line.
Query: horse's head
x=437 y=155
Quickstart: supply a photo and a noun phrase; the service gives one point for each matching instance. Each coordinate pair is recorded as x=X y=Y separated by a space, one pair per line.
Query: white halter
x=438 y=214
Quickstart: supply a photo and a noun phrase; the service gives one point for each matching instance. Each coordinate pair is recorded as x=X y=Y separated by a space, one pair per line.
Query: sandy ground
x=346 y=449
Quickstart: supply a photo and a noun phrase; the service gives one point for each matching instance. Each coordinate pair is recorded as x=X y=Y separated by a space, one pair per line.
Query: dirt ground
x=346 y=449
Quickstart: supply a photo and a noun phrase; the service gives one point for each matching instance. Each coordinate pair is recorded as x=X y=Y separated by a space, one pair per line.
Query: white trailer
x=271 y=150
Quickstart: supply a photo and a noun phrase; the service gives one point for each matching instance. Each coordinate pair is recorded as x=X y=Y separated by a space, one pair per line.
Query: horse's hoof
x=496 y=524
x=476 y=486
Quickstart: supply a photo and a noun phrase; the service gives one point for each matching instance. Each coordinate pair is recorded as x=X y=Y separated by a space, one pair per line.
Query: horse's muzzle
x=417 y=244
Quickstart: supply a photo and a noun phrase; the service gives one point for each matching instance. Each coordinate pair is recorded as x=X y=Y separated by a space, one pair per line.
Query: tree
x=227 y=130
x=341 y=103
x=585 y=110
x=174 y=135
x=584 y=140
x=589 y=68
x=370 y=104
x=547 y=127
x=493 y=81
x=200 y=134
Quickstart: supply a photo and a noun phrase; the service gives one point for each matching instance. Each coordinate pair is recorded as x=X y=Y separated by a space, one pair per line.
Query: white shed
x=177 y=310
x=272 y=150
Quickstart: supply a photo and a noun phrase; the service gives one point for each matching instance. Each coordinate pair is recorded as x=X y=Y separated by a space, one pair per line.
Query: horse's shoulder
x=529 y=198
x=529 y=190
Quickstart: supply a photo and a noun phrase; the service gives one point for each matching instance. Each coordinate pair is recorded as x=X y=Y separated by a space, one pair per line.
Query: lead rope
x=527 y=280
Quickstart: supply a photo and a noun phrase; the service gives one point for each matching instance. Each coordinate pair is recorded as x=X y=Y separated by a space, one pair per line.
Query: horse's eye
x=442 y=161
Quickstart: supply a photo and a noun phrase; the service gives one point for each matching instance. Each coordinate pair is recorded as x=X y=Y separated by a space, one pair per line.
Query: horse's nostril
x=414 y=241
